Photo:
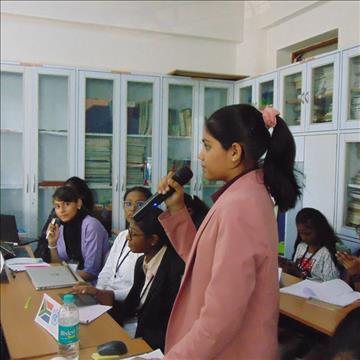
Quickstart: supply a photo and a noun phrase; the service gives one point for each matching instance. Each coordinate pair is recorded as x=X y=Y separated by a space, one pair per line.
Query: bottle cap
x=68 y=298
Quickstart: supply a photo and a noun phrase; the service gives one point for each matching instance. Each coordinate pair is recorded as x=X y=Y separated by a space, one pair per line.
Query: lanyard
x=143 y=292
x=118 y=262
x=307 y=261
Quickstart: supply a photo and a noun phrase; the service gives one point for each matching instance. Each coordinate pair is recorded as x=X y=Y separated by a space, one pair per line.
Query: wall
x=287 y=23
x=37 y=40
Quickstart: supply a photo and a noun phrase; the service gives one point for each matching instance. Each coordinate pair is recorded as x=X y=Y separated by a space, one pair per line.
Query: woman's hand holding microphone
x=175 y=202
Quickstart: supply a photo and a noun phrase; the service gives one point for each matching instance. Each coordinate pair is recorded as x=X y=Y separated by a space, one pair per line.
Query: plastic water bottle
x=69 y=329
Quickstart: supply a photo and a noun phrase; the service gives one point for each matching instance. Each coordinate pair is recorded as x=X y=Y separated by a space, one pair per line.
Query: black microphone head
x=183 y=175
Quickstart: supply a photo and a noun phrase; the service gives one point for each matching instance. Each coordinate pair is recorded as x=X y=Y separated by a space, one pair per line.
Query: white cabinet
x=350 y=109
x=53 y=133
x=259 y=92
x=98 y=138
x=320 y=174
x=213 y=96
x=180 y=129
x=139 y=134
x=37 y=139
x=309 y=94
x=348 y=214
x=118 y=137
x=186 y=103
x=15 y=168
x=287 y=220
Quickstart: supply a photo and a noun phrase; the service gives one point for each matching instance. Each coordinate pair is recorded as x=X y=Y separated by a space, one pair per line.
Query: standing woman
x=227 y=305
x=80 y=237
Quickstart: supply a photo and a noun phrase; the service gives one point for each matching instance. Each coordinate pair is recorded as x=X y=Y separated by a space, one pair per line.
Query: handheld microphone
x=55 y=220
x=182 y=176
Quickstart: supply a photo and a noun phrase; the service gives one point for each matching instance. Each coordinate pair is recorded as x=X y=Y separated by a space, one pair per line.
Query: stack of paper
x=336 y=291
x=24 y=263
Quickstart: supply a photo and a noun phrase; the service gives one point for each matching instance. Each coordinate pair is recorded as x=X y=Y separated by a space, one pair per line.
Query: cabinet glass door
x=349 y=186
x=266 y=94
x=98 y=158
x=292 y=98
x=354 y=80
x=12 y=147
x=139 y=150
x=350 y=111
x=178 y=109
x=56 y=118
x=322 y=85
x=245 y=92
x=352 y=180
x=322 y=94
x=214 y=98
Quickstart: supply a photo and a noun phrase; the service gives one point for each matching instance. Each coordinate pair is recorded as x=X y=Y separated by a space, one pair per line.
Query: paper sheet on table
x=89 y=313
x=156 y=354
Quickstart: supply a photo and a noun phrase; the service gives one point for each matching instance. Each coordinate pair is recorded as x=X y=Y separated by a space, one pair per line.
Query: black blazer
x=154 y=315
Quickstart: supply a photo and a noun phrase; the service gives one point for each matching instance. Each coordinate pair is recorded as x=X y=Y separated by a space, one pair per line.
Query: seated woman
x=146 y=310
x=315 y=247
x=80 y=237
x=116 y=278
x=80 y=186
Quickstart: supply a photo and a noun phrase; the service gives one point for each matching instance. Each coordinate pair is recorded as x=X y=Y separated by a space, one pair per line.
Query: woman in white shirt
x=117 y=276
x=315 y=246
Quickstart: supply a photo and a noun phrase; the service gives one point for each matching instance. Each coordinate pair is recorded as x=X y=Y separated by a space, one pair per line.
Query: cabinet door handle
x=123 y=185
x=34 y=183
x=302 y=96
x=200 y=186
x=117 y=184
x=307 y=97
x=27 y=183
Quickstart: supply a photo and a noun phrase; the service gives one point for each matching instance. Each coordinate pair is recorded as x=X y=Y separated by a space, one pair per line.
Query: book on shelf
x=336 y=291
x=139 y=115
x=89 y=102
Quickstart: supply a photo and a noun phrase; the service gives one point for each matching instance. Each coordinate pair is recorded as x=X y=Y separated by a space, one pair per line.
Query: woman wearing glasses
x=145 y=311
x=117 y=276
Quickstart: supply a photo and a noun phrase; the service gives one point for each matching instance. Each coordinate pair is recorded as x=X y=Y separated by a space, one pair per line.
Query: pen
x=27 y=303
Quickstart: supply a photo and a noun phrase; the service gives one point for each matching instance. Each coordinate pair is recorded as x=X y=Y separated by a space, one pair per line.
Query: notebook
x=52 y=277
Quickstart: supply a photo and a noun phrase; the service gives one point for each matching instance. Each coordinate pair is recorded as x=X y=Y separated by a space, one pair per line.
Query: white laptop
x=52 y=277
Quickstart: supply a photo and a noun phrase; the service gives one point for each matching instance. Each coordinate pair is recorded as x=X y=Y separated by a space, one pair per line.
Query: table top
x=26 y=339
x=319 y=315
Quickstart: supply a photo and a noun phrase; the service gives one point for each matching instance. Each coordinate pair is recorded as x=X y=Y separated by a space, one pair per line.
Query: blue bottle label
x=68 y=334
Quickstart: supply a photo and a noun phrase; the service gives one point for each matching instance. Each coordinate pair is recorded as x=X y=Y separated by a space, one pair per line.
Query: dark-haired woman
x=145 y=311
x=117 y=276
x=87 y=199
x=315 y=246
x=227 y=305
x=79 y=238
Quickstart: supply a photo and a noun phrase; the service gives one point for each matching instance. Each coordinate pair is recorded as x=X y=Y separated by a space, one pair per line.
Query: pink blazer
x=227 y=305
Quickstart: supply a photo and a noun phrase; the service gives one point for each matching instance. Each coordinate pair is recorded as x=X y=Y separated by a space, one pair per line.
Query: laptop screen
x=8 y=229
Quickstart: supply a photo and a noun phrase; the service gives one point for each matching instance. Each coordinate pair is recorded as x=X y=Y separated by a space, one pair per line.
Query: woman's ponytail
x=279 y=176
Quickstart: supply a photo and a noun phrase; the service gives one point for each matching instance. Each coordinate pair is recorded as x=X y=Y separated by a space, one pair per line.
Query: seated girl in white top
x=315 y=246
x=117 y=277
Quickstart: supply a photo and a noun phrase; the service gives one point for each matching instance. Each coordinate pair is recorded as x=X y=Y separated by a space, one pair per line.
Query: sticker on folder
x=48 y=315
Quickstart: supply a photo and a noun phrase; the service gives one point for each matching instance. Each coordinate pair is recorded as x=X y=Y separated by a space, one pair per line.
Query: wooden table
x=319 y=315
x=136 y=346
x=27 y=339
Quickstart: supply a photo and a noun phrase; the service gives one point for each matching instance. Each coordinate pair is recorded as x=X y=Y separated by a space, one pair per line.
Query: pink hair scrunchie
x=269 y=115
